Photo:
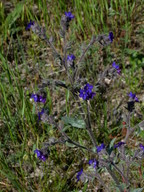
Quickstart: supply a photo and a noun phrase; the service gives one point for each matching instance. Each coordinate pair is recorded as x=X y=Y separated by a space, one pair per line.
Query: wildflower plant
x=111 y=157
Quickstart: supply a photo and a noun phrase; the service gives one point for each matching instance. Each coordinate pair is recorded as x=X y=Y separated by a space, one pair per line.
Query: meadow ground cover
x=71 y=95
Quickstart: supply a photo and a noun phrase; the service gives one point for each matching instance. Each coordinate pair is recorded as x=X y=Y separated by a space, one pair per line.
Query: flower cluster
x=40 y=155
x=105 y=40
x=40 y=114
x=70 y=60
x=114 y=65
x=87 y=93
x=133 y=96
x=38 y=98
x=65 y=22
x=119 y=144
x=79 y=174
x=69 y=16
x=142 y=147
x=93 y=162
x=111 y=36
x=29 y=25
x=70 y=57
x=101 y=147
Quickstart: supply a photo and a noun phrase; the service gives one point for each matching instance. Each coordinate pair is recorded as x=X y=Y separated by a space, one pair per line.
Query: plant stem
x=88 y=126
x=82 y=56
x=114 y=178
x=73 y=142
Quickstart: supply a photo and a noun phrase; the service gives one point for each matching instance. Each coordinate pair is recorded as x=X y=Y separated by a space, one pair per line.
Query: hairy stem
x=51 y=45
x=114 y=178
x=88 y=126
x=82 y=56
x=73 y=142
x=65 y=62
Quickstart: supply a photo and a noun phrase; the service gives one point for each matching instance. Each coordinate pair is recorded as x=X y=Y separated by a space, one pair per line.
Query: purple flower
x=29 y=25
x=70 y=60
x=40 y=155
x=70 y=57
x=142 y=147
x=119 y=144
x=40 y=113
x=114 y=65
x=69 y=16
x=43 y=158
x=87 y=93
x=93 y=162
x=111 y=37
x=38 y=152
x=99 y=148
x=133 y=96
x=79 y=174
x=38 y=98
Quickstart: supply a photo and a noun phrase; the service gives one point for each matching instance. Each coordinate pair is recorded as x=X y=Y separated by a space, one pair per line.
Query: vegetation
x=27 y=65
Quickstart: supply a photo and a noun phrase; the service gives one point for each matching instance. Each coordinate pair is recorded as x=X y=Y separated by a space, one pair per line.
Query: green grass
x=23 y=57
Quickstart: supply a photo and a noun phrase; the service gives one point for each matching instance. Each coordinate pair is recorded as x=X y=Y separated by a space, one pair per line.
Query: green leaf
x=137 y=190
x=110 y=149
x=13 y=16
x=94 y=149
x=112 y=143
x=78 y=123
x=70 y=144
x=141 y=125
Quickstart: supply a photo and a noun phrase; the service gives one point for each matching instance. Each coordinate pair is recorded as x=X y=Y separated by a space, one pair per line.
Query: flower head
x=79 y=174
x=133 y=96
x=70 y=60
x=114 y=65
x=69 y=16
x=87 y=93
x=142 y=147
x=38 y=152
x=40 y=155
x=119 y=144
x=101 y=147
x=38 y=98
x=29 y=25
x=111 y=36
x=40 y=114
x=93 y=162
x=70 y=57
x=43 y=158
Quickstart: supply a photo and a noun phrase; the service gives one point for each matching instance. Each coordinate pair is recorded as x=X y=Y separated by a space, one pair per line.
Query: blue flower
x=40 y=113
x=38 y=152
x=79 y=174
x=101 y=147
x=70 y=60
x=29 y=25
x=40 y=155
x=70 y=57
x=133 y=96
x=114 y=65
x=69 y=16
x=90 y=161
x=93 y=162
x=38 y=98
x=111 y=36
x=87 y=93
x=119 y=144
x=43 y=158
x=142 y=147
